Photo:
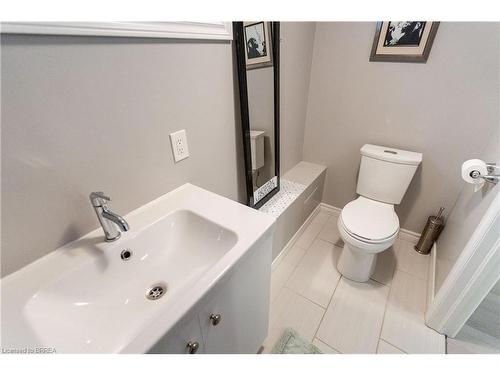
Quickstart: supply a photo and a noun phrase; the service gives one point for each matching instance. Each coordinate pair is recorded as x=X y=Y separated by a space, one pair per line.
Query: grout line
x=385 y=309
x=309 y=226
x=408 y=273
x=294 y=243
x=399 y=269
x=336 y=286
x=324 y=343
x=301 y=295
x=297 y=265
x=388 y=343
x=293 y=269
x=327 y=306
x=306 y=298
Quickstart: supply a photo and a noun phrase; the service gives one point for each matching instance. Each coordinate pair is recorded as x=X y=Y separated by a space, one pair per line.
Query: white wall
x=81 y=114
x=445 y=109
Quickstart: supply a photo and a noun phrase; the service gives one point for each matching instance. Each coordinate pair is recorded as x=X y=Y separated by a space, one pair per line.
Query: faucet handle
x=98 y=198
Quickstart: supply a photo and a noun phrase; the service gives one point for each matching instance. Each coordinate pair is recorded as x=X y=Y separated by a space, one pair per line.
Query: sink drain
x=156 y=291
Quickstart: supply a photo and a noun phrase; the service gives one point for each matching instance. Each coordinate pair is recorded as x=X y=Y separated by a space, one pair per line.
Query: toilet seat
x=369 y=221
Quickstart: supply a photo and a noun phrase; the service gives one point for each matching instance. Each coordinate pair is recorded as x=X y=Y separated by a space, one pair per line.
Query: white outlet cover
x=179 y=144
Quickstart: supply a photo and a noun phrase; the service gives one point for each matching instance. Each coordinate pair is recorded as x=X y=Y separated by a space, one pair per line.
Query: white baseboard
x=408 y=235
x=431 y=276
x=295 y=237
x=331 y=209
x=404 y=234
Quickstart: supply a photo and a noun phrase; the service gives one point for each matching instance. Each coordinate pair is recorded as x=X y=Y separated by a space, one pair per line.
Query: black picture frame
x=240 y=46
x=404 y=57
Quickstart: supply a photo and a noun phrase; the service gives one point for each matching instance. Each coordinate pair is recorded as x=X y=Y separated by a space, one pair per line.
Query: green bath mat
x=291 y=343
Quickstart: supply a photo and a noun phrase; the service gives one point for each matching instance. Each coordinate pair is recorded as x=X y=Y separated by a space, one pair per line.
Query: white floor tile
x=310 y=233
x=384 y=269
x=404 y=325
x=284 y=270
x=330 y=231
x=354 y=317
x=386 y=348
x=324 y=348
x=316 y=276
x=408 y=260
x=291 y=310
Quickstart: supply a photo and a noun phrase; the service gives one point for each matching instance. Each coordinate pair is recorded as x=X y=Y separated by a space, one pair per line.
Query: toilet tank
x=257 y=148
x=385 y=173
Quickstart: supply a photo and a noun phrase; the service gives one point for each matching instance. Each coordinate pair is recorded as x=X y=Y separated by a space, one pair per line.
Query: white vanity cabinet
x=233 y=316
x=206 y=253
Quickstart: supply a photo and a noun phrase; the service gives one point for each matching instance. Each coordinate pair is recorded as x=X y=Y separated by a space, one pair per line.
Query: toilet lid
x=369 y=219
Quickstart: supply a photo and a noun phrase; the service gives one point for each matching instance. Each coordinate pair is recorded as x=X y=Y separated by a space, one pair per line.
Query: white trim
x=404 y=234
x=178 y=30
x=331 y=209
x=295 y=237
x=408 y=235
x=431 y=275
x=471 y=278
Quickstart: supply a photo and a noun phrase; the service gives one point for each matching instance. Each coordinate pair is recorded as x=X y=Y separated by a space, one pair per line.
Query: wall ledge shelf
x=175 y=30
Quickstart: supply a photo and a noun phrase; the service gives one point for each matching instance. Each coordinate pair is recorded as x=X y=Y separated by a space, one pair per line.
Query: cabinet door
x=184 y=338
x=243 y=306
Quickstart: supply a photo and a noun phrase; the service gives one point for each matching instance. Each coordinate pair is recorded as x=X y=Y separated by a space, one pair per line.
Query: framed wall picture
x=403 y=41
x=258 y=46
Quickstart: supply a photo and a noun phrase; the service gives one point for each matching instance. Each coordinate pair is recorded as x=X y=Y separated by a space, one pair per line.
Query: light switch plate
x=179 y=145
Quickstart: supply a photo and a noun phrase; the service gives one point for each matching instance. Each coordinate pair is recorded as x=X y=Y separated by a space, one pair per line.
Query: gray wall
x=260 y=83
x=466 y=214
x=297 y=41
x=445 y=109
x=81 y=114
x=296 y=50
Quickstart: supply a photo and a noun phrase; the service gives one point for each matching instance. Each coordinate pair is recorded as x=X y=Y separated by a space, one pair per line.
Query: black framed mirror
x=258 y=57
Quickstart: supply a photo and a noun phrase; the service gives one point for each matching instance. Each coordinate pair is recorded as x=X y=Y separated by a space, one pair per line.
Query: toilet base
x=355 y=265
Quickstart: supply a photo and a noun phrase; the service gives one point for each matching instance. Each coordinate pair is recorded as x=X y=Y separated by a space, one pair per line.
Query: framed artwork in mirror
x=403 y=41
x=258 y=44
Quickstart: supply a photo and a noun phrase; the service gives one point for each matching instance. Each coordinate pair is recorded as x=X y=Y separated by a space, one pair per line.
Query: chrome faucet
x=110 y=221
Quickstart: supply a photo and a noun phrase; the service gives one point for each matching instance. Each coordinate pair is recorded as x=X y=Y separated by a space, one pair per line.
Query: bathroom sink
x=93 y=296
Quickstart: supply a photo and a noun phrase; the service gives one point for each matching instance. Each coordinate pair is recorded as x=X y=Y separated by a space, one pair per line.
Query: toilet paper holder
x=491 y=177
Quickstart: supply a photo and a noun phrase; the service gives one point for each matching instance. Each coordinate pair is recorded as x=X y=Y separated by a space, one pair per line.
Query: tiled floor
x=384 y=315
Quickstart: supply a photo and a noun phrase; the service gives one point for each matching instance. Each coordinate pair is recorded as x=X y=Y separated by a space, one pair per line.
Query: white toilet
x=368 y=225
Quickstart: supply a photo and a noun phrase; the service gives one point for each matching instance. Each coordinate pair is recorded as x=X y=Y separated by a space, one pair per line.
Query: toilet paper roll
x=474 y=167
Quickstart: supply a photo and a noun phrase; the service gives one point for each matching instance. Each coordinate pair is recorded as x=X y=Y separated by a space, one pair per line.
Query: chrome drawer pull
x=215 y=319
x=193 y=346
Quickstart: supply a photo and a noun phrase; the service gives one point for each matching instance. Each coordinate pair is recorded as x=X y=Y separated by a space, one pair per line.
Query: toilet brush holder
x=431 y=232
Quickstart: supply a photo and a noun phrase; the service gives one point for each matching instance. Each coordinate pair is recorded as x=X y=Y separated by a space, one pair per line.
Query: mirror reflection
x=260 y=72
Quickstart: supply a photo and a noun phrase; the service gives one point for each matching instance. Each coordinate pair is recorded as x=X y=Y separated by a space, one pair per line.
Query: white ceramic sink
x=84 y=297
